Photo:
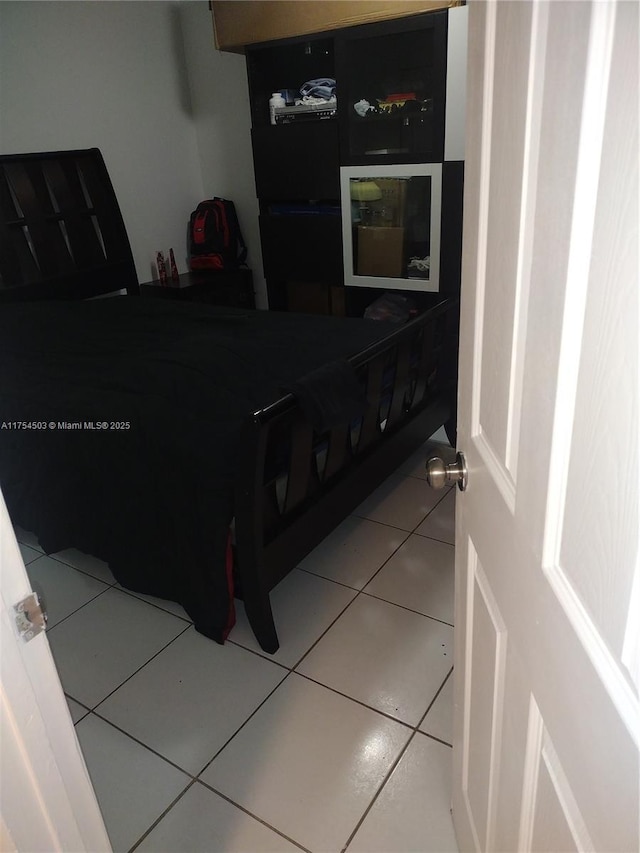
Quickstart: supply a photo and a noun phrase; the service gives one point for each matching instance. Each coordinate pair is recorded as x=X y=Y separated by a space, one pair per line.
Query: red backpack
x=215 y=239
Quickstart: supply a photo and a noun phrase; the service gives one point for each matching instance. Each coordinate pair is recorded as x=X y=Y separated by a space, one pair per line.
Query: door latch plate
x=31 y=618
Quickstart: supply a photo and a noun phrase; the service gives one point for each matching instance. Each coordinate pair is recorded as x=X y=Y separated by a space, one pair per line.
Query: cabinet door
x=306 y=248
x=297 y=161
x=391 y=226
x=391 y=91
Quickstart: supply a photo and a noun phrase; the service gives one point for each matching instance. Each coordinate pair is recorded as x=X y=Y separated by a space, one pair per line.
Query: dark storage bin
x=297 y=161
x=302 y=247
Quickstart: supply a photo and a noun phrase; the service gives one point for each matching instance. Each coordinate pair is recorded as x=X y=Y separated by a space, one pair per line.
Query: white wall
x=115 y=75
x=220 y=98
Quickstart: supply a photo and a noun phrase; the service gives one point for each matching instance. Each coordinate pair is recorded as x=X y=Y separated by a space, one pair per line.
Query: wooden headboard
x=62 y=235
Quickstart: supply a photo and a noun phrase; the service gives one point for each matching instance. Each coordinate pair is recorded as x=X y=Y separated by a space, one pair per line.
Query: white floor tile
x=303 y=608
x=26 y=537
x=441 y=521
x=420 y=576
x=106 y=641
x=28 y=554
x=133 y=785
x=62 y=589
x=76 y=709
x=415 y=466
x=162 y=603
x=354 y=552
x=86 y=563
x=439 y=720
x=400 y=501
x=412 y=813
x=203 y=822
x=440 y=437
x=190 y=699
x=308 y=762
x=384 y=656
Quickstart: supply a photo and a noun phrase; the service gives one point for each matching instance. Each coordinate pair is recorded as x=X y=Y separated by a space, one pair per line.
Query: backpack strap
x=234 y=227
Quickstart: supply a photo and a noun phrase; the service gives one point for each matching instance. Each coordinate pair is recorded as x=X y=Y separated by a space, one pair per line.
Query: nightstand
x=229 y=287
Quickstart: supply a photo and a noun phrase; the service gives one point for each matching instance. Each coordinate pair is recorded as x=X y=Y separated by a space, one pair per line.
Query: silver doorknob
x=440 y=474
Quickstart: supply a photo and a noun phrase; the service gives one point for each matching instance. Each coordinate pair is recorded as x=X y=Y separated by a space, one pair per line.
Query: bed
x=200 y=451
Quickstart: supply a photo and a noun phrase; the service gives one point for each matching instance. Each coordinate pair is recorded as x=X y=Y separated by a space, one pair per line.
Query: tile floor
x=340 y=741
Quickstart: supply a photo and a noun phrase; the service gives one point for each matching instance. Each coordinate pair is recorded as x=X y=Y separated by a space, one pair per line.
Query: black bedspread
x=166 y=387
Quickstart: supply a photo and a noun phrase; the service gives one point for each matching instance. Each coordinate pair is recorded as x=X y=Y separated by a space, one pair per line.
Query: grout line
x=433 y=701
x=299 y=661
x=383 y=523
x=358 y=593
x=36 y=547
x=433 y=538
x=358 y=701
x=327 y=629
x=116 y=586
x=379 y=791
x=436 y=504
x=258 y=652
x=372 y=521
x=142 y=744
x=433 y=737
x=112 y=588
x=78 y=569
x=332 y=580
x=409 y=609
x=407 y=534
x=391 y=770
x=251 y=814
x=129 y=677
x=425 y=516
x=252 y=714
x=77 y=701
x=43 y=598
x=164 y=813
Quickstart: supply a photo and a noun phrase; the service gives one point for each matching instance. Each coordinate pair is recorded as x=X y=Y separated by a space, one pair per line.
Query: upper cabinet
x=359 y=169
x=238 y=23
x=392 y=85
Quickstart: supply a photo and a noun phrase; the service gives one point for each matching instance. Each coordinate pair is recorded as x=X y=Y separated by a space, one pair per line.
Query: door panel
x=487 y=656
x=547 y=715
x=503 y=204
x=47 y=801
x=550 y=817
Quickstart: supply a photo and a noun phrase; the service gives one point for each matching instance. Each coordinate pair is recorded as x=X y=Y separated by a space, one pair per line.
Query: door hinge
x=31 y=617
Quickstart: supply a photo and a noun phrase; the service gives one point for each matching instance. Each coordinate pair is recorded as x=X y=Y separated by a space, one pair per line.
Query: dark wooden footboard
x=294 y=486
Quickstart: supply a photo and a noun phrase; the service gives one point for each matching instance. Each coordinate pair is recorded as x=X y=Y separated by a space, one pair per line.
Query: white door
x=47 y=802
x=547 y=718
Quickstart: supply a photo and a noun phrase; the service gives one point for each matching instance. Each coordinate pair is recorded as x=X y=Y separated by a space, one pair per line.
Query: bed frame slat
x=427 y=364
x=300 y=460
x=370 y=428
x=398 y=399
x=338 y=454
